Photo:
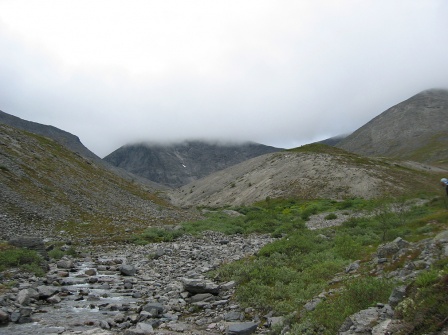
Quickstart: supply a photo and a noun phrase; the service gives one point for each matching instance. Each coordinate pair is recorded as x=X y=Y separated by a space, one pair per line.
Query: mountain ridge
x=177 y=164
x=414 y=129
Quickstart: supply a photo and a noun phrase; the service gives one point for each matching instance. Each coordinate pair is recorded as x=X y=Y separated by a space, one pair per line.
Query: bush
x=331 y=216
x=358 y=294
x=56 y=253
x=28 y=260
x=155 y=235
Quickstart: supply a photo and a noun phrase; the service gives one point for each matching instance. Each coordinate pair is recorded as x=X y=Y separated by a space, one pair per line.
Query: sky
x=277 y=72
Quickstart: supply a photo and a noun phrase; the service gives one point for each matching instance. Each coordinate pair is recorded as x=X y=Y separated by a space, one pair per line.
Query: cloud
x=279 y=73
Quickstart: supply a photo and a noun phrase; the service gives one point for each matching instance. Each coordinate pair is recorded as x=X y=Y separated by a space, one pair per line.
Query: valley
x=240 y=238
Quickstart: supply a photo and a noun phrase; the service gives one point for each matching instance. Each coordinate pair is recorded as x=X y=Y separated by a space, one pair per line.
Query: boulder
x=200 y=286
x=153 y=308
x=398 y=294
x=242 y=328
x=128 y=270
x=46 y=292
x=363 y=321
x=24 y=296
x=140 y=329
x=4 y=317
x=65 y=264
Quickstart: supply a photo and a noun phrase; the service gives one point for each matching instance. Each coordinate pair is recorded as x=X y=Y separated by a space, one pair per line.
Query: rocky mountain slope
x=72 y=143
x=47 y=187
x=415 y=129
x=309 y=172
x=178 y=164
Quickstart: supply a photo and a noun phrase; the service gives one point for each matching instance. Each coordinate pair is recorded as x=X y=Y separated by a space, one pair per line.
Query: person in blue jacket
x=444 y=183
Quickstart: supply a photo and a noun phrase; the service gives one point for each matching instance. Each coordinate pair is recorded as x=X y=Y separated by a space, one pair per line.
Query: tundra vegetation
x=302 y=263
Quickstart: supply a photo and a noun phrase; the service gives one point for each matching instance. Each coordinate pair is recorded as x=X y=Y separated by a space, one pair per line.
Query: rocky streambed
x=155 y=289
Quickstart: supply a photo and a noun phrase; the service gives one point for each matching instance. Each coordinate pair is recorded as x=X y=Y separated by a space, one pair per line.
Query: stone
x=46 y=292
x=311 y=305
x=200 y=286
x=90 y=272
x=65 y=264
x=128 y=270
x=352 y=267
x=233 y=316
x=201 y=297
x=401 y=243
x=119 y=318
x=4 y=317
x=398 y=294
x=24 y=296
x=141 y=328
x=154 y=308
x=387 y=250
x=55 y=299
x=242 y=328
x=229 y=285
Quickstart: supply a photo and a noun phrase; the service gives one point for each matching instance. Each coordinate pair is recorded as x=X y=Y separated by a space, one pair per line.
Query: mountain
x=333 y=141
x=72 y=143
x=46 y=187
x=178 y=164
x=309 y=172
x=415 y=129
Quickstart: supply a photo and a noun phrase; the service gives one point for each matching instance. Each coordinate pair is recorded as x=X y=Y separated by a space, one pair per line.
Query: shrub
x=56 y=253
x=155 y=235
x=331 y=216
x=28 y=260
x=358 y=294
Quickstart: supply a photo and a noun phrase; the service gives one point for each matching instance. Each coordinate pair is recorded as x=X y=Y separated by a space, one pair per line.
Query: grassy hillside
x=47 y=186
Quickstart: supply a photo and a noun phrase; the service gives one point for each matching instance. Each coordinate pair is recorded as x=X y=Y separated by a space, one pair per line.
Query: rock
x=4 y=317
x=155 y=309
x=229 y=285
x=24 y=296
x=401 y=243
x=398 y=294
x=65 y=264
x=242 y=328
x=119 y=318
x=140 y=329
x=128 y=270
x=90 y=272
x=387 y=250
x=200 y=286
x=311 y=305
x=46 y=292
x=363 y=321
x=201 y=297
x=179 y=327
x=352 y=267
x=55 y=299
x=233 y=316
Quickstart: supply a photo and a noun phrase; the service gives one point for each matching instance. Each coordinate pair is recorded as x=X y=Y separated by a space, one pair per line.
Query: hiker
x=444 y=183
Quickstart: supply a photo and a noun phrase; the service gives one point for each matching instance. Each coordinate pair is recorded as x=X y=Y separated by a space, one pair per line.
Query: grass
x=425 y=309
x=358 y=294
x=27 y=260
x=287 y=273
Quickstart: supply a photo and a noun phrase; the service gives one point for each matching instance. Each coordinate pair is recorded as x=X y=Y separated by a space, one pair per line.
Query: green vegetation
x=27 y=260
x=302 y=263
x=57 y=253
x=425 y=308
x=154 y=235
x=358 y=294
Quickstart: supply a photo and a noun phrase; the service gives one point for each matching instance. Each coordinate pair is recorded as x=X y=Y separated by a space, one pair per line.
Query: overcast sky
x=280 y=72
